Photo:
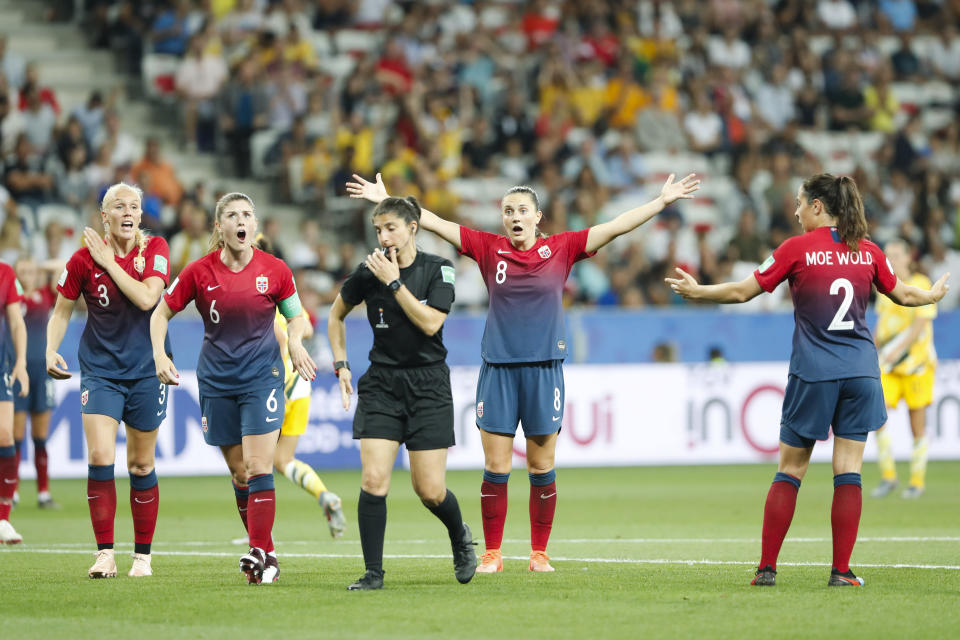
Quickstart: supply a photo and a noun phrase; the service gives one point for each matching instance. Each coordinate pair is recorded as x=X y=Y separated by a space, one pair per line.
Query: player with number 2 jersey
x=834 y=375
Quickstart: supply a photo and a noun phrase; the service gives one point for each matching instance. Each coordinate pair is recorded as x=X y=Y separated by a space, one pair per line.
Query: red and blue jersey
x=10 y=292
x=830 y=287
x=525 y=322
x=36 y=313
x=240 y=352
x=116 y=340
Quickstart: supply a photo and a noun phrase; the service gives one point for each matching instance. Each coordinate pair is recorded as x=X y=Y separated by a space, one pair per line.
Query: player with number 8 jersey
x=120 y=277
x=237 y=289
x=834 y=378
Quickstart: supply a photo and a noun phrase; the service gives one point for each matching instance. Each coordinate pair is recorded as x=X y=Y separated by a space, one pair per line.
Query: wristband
x=340 y=364
x=395 y=285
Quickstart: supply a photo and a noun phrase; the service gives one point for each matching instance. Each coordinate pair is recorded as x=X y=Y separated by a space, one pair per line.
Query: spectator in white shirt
x=837 y=15
x=945 y=53
x=199 y=79
x=774 y=99
x=703 y=126
x=729 y=51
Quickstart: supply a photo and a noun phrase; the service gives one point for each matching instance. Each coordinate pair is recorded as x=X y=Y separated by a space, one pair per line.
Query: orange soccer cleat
x=491 y=562
x=540 y=561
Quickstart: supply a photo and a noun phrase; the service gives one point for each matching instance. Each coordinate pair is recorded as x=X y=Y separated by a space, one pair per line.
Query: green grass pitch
x=660 y=552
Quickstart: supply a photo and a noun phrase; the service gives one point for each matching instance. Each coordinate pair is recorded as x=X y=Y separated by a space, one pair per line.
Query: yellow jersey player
x=904 y=338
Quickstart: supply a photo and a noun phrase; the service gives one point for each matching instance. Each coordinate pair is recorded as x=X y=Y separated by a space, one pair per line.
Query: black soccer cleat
x=371 y=580
x=845 y=579
x=766 y=577
x=253 y=563
x=464 y=556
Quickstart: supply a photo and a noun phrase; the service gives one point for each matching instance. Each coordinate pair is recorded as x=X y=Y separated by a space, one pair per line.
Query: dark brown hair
x=522 y=188
x=406 y=208
x=841 y=199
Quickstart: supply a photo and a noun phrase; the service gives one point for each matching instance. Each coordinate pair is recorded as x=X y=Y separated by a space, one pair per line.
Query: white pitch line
x=749 y=563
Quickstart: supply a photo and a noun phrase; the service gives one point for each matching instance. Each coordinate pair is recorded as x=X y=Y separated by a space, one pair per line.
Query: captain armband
x=290 y=307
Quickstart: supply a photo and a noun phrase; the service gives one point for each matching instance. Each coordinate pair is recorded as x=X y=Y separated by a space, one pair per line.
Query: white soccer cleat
x=9 y=535
x=141 y=566
x=105 y=566
x=271 y=569
x=333 y=509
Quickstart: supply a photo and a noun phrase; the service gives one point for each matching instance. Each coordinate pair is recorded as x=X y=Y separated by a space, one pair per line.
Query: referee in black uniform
x=404 y=397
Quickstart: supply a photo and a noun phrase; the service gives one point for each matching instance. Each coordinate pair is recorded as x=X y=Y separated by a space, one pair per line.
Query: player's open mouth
x=126 y=224
x=517 y=228
x=241 y=235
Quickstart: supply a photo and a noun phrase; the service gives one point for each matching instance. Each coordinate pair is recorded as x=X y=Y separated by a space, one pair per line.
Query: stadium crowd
x=592 y=103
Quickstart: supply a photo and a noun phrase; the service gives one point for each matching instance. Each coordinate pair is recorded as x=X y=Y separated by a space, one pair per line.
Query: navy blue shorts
x=140 y=403
x=853 y=406
x=529 y=393
x=6 y=387
x=224 y=420
x=41 y=397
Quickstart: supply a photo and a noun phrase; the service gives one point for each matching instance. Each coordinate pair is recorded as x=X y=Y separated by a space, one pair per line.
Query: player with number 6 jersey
x=521 y=378
x=237 y=289
x=834 y=375
x=120 y=277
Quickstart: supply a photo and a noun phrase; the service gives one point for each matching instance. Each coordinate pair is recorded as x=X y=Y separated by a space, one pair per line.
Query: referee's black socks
x=449 y=513
x=372 y=519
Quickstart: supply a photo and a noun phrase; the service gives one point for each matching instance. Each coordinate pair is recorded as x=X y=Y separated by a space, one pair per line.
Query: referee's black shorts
x=413 y=406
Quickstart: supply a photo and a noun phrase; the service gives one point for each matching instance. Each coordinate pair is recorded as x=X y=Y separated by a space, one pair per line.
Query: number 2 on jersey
x=838 y=323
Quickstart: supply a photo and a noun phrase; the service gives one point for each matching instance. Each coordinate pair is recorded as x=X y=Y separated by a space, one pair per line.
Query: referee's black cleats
x=253 y=563
x=845 y=579
x=766 y=577
x=371 y=580
x=464 y=556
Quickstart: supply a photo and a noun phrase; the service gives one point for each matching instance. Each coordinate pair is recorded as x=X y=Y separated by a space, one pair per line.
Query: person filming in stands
x=237 y=290
x=405 y=396
x=521 y=378
x=121 y=277
x=908 y=361
x=834 y=374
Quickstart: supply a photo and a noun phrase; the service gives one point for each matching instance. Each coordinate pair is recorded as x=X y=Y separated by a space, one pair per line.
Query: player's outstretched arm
x=728 y=292
x=159 y=323
x=376 y=192
x=56 y=328
x=18 y=334
x=627 y=221
x=908 y=295
x=337 y=334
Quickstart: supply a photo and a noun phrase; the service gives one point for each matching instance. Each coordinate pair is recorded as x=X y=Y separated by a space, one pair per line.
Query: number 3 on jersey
x=501 y=272
x=838 y=323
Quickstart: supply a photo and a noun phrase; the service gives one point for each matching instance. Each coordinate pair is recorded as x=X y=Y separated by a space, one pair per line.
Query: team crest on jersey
x=262 y=284
x=544 y=252
x=480 y=409
x=139 y=263
x=203 y=423
x=84 y=397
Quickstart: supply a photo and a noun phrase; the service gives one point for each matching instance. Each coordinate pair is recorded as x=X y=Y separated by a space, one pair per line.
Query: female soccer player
x=908 y=361
x=404 y=397
x=120 y=277
x=237 y=289
x=38 y=298
x=521 y=378
x=834 y=377
x=9 y=468
x=296 y=414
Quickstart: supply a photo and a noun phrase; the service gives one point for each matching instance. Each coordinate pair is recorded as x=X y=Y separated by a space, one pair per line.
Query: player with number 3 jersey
x=834 y=374
x=521 y=378
x=120 y=277
x=237 y=289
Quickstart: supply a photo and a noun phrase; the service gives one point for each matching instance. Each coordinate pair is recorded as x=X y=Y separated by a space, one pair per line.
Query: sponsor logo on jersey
x=63 y=278
x=84 y=397
x=262 y=284
x=160 y=264
x=381 y=324
x=275 y=372
x=203 y=423
x=139 y=263
x=766 y=264
x=561 y=344
x=449 y=275
x=480 y=409
x=544 y=252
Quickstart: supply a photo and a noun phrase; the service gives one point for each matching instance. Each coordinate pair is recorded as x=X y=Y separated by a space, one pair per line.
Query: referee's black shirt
x=397 y=342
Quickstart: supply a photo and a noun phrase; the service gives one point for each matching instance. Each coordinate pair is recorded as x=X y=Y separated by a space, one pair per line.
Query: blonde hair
x=216 y=240
x=141 y=238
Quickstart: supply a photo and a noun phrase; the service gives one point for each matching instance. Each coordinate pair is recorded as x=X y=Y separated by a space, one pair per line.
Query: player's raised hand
x=365 y=190
x=686 y=285
x=100 y=250
x=301 y=361
x=346 y=388
x=673 y=191
x=940 y=287
x=57 y=366
x=166 y=372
